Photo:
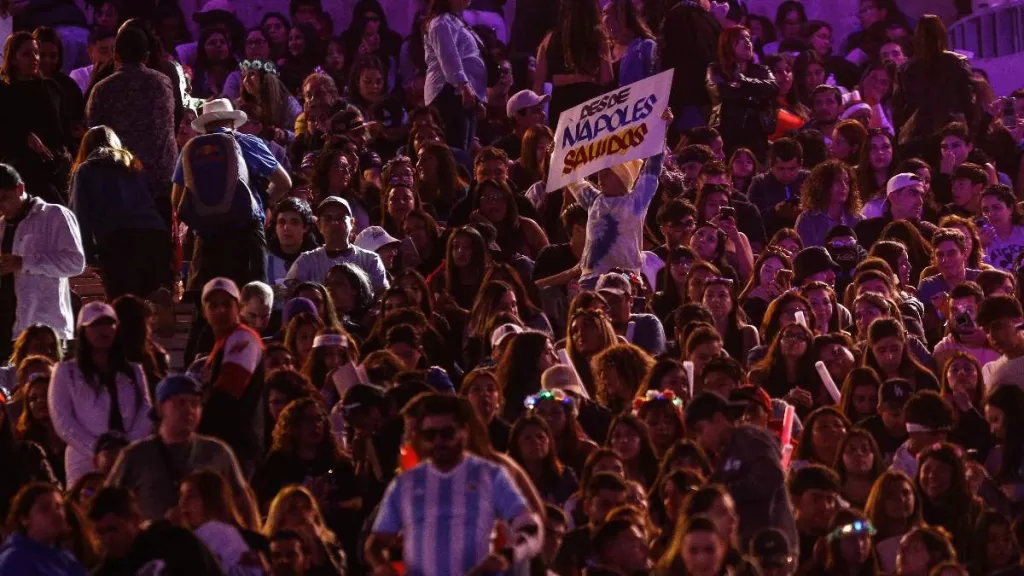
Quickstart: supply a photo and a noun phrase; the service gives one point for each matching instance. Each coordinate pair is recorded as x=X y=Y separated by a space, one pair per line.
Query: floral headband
x=259 y=65
x=656 y=395
x=854 y=528
x=555 y=395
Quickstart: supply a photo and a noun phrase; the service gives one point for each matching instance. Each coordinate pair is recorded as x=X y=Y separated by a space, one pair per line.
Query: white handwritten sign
x=620 y=126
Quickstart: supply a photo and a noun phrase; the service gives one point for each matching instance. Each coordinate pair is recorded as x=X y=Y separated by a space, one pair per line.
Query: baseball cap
x=333 y=201
x=504 y=331
x=94 y=312
x=896 y=391
x=614 y=282
x=707 y=404
x=177 y=384
x=360 y=395
x=562 y=377
x=374 y=238
x=522 y=100
x=901 y=181
x=222 y=284
x=770 y=547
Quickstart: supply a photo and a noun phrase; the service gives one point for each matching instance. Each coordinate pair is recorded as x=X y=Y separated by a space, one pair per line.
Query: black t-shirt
x=887 y=443
x=553 y=259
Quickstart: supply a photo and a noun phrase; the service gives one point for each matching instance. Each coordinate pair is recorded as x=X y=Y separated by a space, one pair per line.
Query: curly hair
x=631 y=364
x=285 y=436
x=816 y=192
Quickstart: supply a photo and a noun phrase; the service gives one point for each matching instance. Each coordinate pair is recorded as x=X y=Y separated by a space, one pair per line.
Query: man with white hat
x=228 y=219
x=904 y=200
x=525 y=109
x=233 y=375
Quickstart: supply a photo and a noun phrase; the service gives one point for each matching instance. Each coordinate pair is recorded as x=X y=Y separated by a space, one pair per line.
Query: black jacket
x=926 y=97
x=689 y=44
x=740 y=99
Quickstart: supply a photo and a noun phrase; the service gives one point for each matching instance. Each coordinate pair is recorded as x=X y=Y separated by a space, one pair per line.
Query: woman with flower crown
x=262 y=89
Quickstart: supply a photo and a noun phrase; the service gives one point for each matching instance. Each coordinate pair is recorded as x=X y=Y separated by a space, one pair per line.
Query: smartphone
x=982 y=222
x=1010 y=112
x=727 y=212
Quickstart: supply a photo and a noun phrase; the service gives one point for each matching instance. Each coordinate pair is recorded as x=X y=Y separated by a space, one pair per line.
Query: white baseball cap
x=223 y=285
x=95 y=311
x=504 y=331
x=522 y=100
x=901 y=181
x=374 y=238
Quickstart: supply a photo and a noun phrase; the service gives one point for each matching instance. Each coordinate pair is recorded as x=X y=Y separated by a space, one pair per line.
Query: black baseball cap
x=896 y=392
x=771 y=548
x=707 y=404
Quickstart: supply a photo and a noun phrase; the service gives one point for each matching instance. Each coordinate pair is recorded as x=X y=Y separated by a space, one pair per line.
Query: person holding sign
x=743 y=93
x=616 y=215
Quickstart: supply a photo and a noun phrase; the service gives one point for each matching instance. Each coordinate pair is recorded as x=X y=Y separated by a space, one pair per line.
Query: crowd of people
x=792 y=342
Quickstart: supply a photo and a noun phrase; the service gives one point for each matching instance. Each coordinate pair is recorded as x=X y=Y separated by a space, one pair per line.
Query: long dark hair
x=478 y=260
x=11 y=46
x=552 y=466
x=953 y=507
x=835 y=560
x=117 y=357
x=930 y=39
x=1010 y=399
x=133 y=325
x=582 y=36
x=866 y=181
x=648 y=456
x=632 y=19
x=773 y=366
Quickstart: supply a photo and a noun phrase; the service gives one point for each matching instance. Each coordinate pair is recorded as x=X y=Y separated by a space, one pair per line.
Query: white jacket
x=80 y=414
x=50 y=245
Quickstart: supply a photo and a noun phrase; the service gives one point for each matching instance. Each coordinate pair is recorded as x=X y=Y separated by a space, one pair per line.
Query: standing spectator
x=233 y=409
x=930 y=88
x=574 y=58
x=101 y=51
x=137 y=103
x=51 y=61
x=441 y=428
x=98 y=391
x=37 y=132
x=689 y=44
x=456 y=73
x=120 y=226
x=154 y=467
x=38 y=525
x=40 y=248
x=228 y=224
x=743 y=93
x=335 y=222
x=634 y=48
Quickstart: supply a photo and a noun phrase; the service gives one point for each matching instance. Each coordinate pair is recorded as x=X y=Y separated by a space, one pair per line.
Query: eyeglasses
x=433 y=434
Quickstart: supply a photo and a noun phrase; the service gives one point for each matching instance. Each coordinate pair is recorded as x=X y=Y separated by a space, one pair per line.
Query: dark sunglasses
x=432 y=434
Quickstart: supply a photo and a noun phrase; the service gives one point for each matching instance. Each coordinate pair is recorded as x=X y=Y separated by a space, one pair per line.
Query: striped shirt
x=446 y=519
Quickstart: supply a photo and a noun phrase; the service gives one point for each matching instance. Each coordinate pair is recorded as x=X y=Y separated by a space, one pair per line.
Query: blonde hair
x=286 y=499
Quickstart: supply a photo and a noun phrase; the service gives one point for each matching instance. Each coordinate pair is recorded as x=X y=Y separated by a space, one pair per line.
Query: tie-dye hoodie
x=615 y=224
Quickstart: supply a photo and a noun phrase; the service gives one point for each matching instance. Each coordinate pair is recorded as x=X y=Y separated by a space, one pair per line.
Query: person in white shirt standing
x=40 y=248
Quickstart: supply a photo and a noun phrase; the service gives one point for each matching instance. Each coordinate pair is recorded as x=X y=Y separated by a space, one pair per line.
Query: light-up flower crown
x=259 y=65
x=656 y=395
x=554 y=395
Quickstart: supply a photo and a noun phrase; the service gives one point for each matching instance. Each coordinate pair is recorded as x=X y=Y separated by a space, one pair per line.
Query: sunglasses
x=433 y=434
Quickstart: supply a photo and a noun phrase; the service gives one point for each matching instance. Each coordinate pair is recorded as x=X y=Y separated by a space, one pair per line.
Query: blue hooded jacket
x=22 y=556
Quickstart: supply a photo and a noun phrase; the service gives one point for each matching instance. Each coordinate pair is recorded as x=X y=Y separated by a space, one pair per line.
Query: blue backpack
x=217 y=196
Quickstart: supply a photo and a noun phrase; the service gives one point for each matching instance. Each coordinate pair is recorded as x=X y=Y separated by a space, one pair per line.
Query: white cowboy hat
x=218 y=110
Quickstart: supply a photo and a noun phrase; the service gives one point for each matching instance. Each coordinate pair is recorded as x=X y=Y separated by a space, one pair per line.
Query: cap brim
x=616 y=291
x=97 y=319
